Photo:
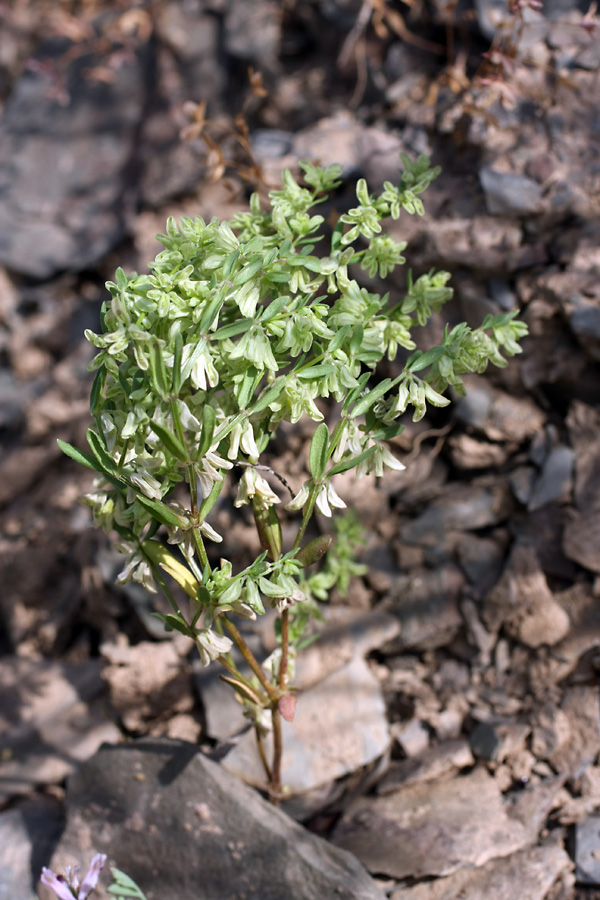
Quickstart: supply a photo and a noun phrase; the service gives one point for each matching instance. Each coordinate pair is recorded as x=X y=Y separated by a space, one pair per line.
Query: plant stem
x=285 y=644
x=263 y=756
x=191 y=479
x=275 y=780
x=244 y=649
x=235 y=672
x=306 y=515
x=199 y=547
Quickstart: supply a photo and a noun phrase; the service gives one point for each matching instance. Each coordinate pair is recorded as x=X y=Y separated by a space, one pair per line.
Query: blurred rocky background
x=458 y=725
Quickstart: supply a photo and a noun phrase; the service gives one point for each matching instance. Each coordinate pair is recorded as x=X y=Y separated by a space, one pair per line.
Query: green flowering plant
x=241 y=326
x=68 y=887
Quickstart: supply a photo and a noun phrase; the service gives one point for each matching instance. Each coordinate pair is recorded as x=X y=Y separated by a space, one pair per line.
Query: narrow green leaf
x=314 y=550
x=271 y=589
x=159 y=371
x=209 y=418
x=229 y=264
x=97 y=389
x=354 y=394
x=274 y=308
x=317 y=458
x=248 y=386
x=127 y=388
x=279 y=277
x=124 y=886
x=247 y=272
x=228 y=427
x=313 y=264
x=346 y=464
x=321 y=371
x=179 y=624
x=339 y=338
x=208 y=502
x=387 y=432
x=80 y=456
x=122 y=879
x=268 y=397
x=419 y=361
x=357 y=339
x=372 y=397
x=268 y=528
x=99 y=449
x=171 y=442
x=177 y=354
x=234 y=328
x=163 y=513
x=211 y=312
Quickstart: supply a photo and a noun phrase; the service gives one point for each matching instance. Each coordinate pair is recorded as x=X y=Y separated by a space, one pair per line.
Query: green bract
x=242 y=325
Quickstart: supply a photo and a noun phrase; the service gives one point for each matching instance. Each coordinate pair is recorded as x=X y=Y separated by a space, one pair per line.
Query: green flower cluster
x=242 y=325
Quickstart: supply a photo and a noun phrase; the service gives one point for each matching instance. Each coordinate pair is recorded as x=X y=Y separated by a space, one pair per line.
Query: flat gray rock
x=528 y=875
x=67 y=173
x=426 y=605
x=182 y=827
x=440 y=828
x=587 y=842
x=52 y=717
x=436 y=762
x=580 y=540
x=510 y=194
x=28 y=834
x=523 y=603
x=459 y=507
x=340 y=726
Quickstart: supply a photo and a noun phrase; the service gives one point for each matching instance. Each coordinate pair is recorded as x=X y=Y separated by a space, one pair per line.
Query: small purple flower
x=68 y=888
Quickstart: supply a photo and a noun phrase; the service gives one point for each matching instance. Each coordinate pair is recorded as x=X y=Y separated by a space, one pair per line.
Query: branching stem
x=249 y=657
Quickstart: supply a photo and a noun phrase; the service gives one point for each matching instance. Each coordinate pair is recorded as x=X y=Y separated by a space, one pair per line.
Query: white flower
x=327 y=497
x=187 y=418
x=375 y=463
x=144 y=481
x=102 y=506
x=184 y=534
x=204 y=373
x=300 y=498
x=68 y=888
x=297 y=596
x=350 y=439
x=211 y=645
x=137 y=567
x=254 y=485
x=207 y=470
x=243 y=433
x=109 y=430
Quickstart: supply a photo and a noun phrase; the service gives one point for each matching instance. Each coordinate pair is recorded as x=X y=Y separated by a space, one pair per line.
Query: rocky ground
x=448 y=729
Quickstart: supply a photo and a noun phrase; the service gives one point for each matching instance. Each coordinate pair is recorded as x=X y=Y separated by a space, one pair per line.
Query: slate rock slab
x=340 y=725
x=426 y=604
x=442 y=827
x=28 y=834
x=52 y=716
x=182 y=827
x=587 y=843
x=66 y=170
x=524 y=604
x=510 y=194
x=528 y=875
x=459 y=507
x=580 y=540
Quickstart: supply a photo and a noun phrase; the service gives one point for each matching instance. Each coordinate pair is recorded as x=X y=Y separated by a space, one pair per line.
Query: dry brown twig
x=215 y=134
